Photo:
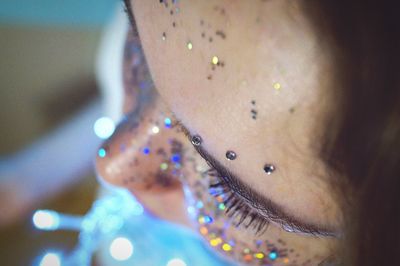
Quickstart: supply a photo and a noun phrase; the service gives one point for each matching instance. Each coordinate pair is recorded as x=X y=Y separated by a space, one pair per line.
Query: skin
x=263 y=43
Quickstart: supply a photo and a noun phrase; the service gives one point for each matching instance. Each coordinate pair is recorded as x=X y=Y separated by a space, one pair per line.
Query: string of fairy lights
x=118 y=230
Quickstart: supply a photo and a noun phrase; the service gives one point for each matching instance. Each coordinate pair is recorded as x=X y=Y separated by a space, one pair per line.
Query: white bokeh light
x=121 y=248
x=46 y=220
x=104 y=127
x=176 y=262
x=51 y=259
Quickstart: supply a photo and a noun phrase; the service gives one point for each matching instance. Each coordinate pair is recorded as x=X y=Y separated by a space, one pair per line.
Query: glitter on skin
x=215 y=60
x=146 y=150
x=247 y=257
x=221 y=206
x=164 y=166
x=215 y=242
x=259 y=255
x=203 y=230
x=205 y=219
x=102 y=153
x=273 y=255
x=220 y=199
x=164 y=36
x=167 y=122
x=226 y=247
x=189 y=45
x=176 y=158
x=155 y=129
x=277 y=86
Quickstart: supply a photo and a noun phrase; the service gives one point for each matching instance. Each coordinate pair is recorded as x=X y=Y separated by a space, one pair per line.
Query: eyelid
x=258 y=209
x=268 y=213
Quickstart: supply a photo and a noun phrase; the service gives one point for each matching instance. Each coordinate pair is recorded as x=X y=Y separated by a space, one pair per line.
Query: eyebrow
x=263 y=205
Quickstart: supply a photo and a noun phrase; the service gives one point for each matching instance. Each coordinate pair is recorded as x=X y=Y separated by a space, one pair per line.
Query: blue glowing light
x=104 y=127
x=121 y=249
x=167 y=122
x=176 y=262
x=46 y=220
x=137 y=209
x=102 y=153
x=50 y=259
x=273 y=255
x=176 y=158
x=146 y=150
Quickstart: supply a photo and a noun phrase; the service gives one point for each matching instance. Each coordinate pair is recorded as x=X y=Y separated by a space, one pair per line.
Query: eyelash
x=236 y=208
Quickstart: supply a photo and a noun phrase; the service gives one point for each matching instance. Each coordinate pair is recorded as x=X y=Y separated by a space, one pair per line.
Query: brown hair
x=363 y=149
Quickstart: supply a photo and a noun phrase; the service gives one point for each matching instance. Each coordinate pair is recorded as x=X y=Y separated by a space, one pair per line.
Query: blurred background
x=48 y=51
x=60 y=95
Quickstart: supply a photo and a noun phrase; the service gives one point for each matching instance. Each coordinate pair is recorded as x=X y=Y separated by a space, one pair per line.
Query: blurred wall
x=47 y=50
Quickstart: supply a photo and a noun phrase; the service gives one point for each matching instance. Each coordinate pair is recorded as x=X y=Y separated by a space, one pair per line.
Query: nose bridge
x=144 y=153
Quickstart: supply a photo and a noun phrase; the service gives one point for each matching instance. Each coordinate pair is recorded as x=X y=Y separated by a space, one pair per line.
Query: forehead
x=246 y=77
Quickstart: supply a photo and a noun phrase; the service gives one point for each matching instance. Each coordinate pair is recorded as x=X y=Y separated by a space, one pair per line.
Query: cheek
x=226 y=231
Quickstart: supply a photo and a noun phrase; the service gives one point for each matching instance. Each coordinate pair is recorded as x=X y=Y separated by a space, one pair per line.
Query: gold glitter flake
x=226 y=247
x=259 y=255
x=277 y=86
x=215 y=60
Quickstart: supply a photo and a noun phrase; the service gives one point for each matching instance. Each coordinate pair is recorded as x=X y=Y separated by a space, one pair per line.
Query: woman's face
x=246 y=81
